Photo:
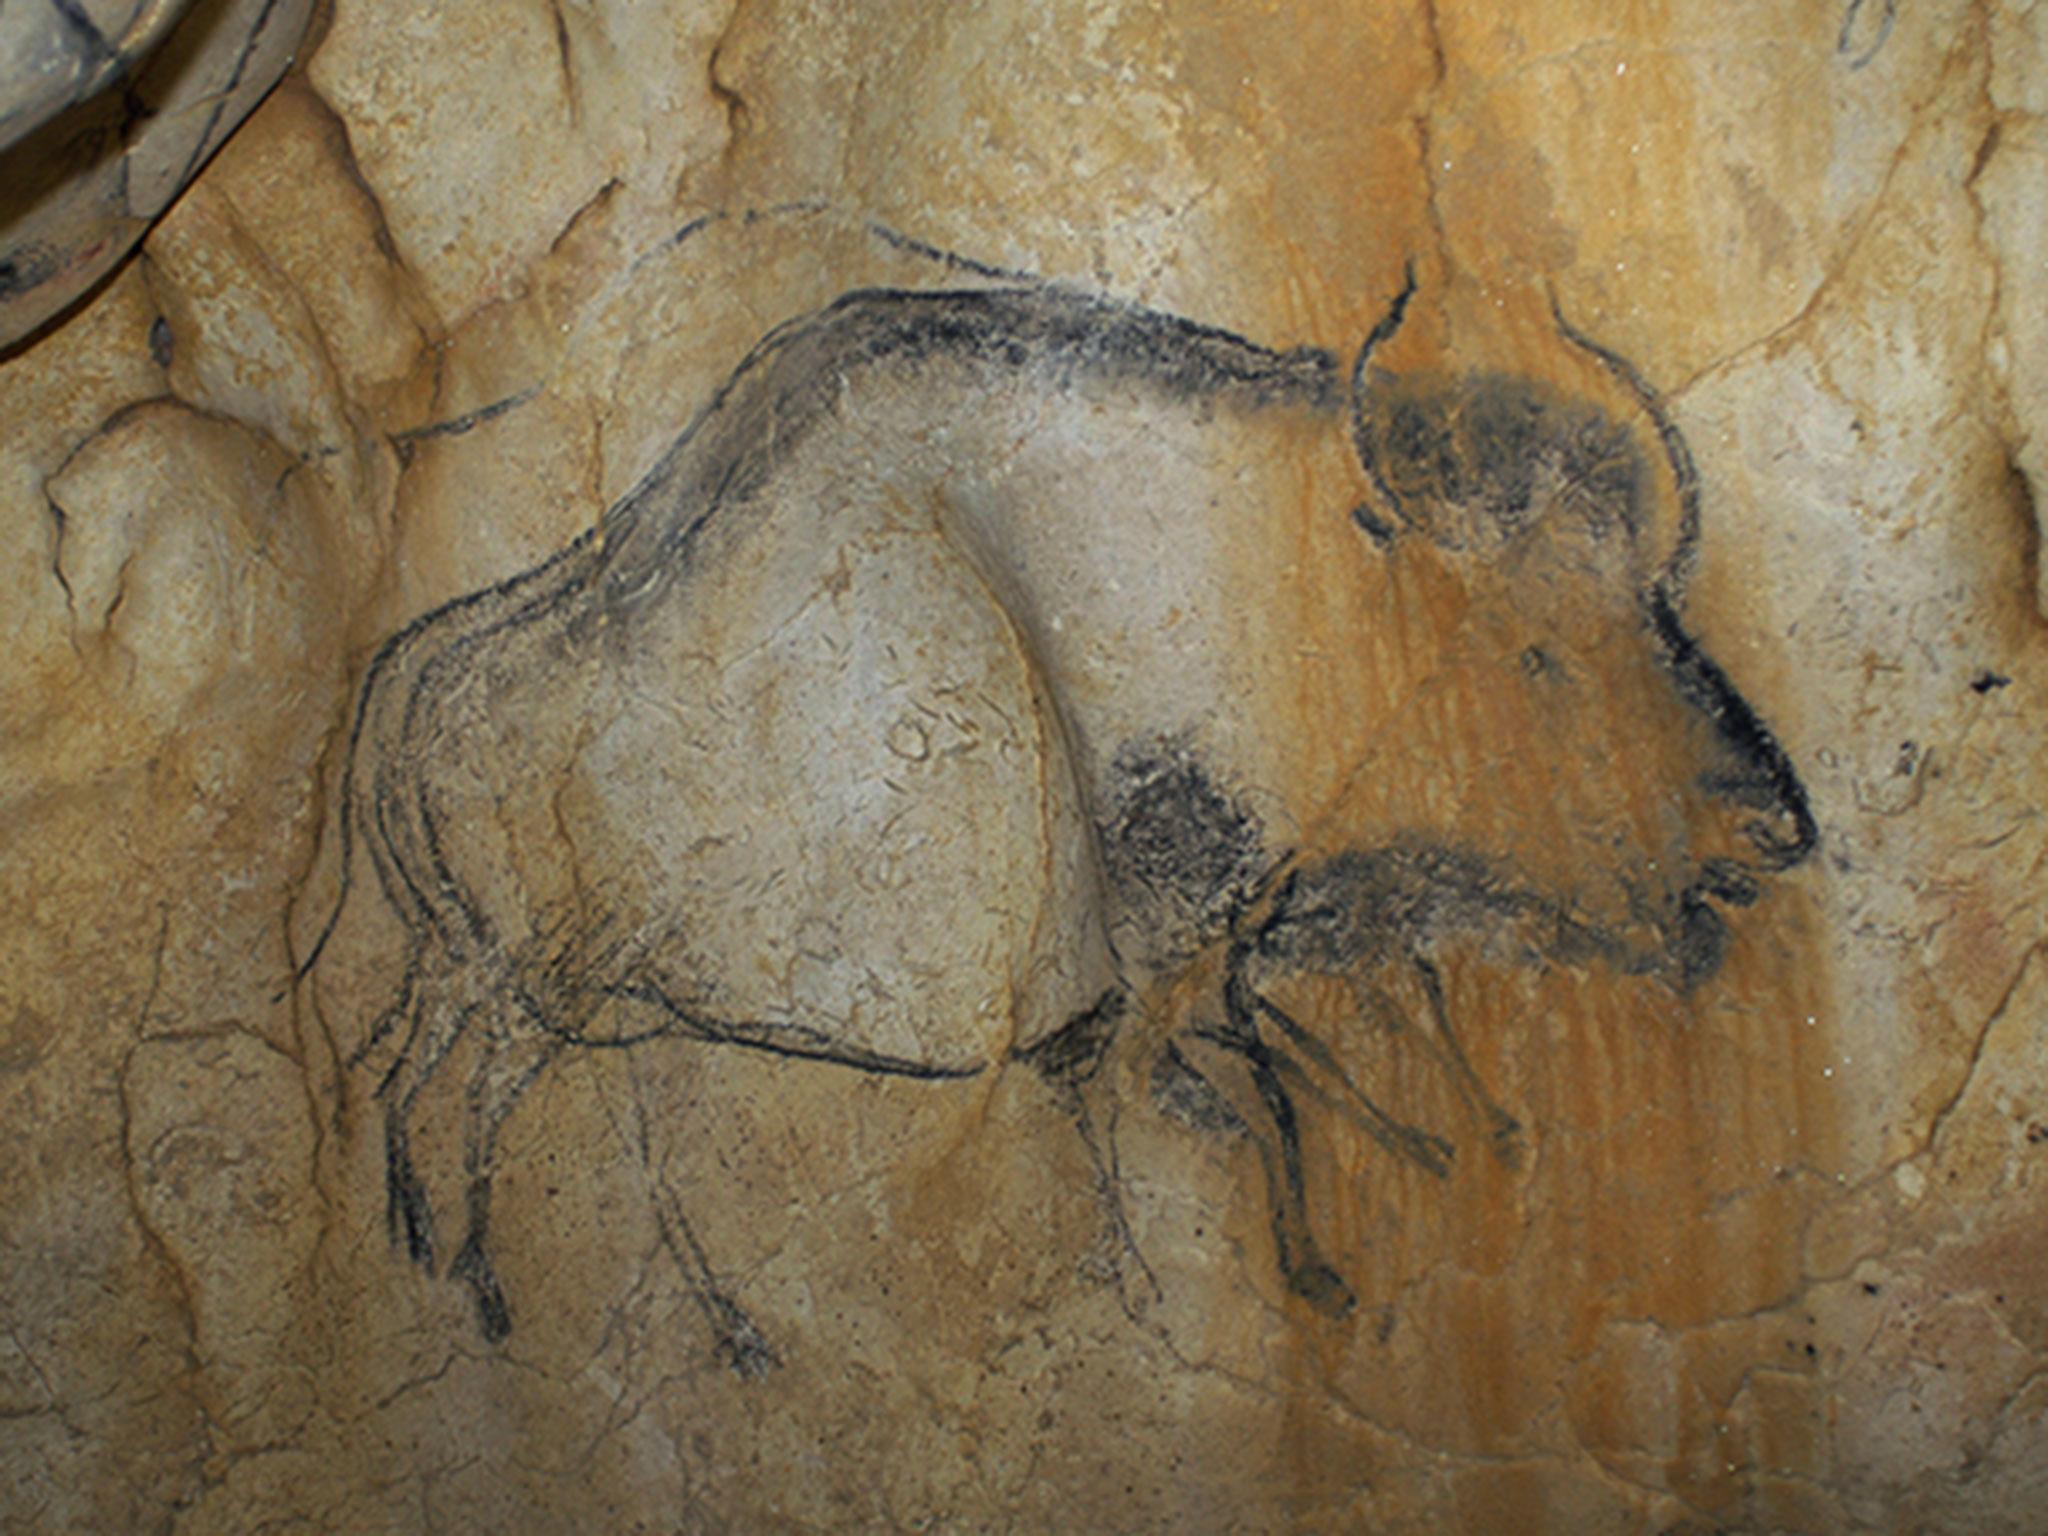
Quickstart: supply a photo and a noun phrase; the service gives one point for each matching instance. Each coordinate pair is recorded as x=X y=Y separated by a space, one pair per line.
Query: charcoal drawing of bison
x=727 y=770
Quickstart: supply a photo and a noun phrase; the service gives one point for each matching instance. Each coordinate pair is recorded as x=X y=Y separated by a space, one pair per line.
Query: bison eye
x=1536 y=662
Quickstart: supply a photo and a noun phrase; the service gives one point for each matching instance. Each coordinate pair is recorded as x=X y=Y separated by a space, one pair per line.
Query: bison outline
x=1178 y=853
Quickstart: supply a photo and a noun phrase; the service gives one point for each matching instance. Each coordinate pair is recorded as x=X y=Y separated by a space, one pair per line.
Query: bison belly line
x=793 y=1041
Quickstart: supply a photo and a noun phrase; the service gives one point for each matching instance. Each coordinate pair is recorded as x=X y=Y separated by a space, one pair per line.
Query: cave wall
x=1765 y=1251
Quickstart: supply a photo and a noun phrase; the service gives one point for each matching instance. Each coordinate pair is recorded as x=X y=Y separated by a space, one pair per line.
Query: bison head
x=1574 y=765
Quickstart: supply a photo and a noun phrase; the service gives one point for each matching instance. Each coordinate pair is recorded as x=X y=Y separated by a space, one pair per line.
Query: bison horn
x=1680 y=551
x=1472 y=460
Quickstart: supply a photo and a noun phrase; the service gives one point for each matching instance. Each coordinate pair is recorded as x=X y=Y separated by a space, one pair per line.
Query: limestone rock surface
x=1117 y=765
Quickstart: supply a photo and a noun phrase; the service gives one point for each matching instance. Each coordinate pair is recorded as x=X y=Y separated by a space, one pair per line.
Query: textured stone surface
x=108 y=108
x=1000 y=683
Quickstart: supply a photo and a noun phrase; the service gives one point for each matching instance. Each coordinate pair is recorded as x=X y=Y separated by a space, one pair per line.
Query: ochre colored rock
x=1114 y=765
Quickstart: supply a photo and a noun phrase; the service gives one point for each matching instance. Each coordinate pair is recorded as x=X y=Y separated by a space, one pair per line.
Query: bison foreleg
x=1245 y=1051
x=437 y=1018
x=1427 y=1150
x=1505 y=1130
x=1274 y=1131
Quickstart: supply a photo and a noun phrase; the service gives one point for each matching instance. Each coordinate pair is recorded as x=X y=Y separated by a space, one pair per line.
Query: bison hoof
x=747 y=1355
x=1115 y=1263
x=1322 y=1288
x=1507 y=1140
x=1432 y=1153
x=740 y=1345
x=474 y=1269
x=1138 y=1289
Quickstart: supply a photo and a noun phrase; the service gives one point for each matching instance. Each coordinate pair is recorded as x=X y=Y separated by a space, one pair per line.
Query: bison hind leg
x=440 y=1003
x=436 y=1016
x=517 y=1049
